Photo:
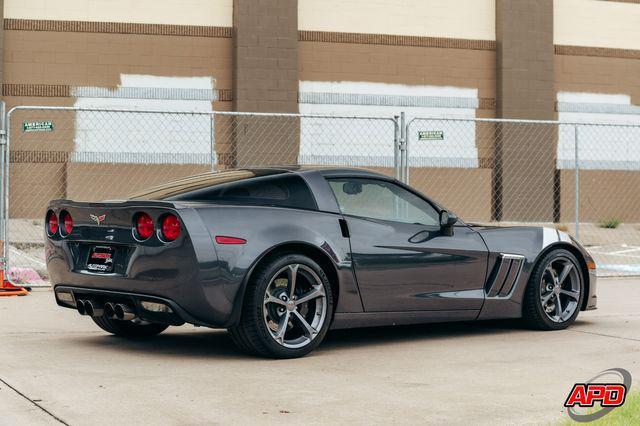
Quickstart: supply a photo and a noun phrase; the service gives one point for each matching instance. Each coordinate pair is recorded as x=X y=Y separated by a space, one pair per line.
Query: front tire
x=129 y=329
x=287 y=308
x=555 y=292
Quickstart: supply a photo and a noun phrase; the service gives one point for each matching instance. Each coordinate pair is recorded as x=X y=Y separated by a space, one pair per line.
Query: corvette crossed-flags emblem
x=98 y=219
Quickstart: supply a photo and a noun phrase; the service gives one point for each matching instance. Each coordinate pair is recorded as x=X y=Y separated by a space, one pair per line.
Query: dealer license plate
x=100 y=259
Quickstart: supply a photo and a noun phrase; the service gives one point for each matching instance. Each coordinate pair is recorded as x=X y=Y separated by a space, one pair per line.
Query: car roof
x=203 y=180
x=322 y=170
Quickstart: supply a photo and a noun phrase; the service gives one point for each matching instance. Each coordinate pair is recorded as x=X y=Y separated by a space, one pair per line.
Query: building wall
x=426 y=57
x=176 y=12
x=597 y=79
x=597 y=23
x=112 y=54
x=598 y=47
x=467 y=19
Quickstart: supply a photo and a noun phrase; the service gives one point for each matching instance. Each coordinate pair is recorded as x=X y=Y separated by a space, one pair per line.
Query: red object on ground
x=8 y=289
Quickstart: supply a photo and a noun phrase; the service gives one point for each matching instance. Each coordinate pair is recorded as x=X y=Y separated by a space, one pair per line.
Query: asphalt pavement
x=57 y=367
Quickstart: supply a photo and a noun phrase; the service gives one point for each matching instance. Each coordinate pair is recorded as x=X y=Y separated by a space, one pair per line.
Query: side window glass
x=379 y=199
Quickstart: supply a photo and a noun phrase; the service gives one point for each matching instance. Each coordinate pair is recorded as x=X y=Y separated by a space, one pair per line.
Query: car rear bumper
x=184 y=271
x=177 y=316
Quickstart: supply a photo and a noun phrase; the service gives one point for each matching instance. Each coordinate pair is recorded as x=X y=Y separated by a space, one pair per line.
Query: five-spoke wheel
x=295 y=305
x=287 y=308
x=560 y=289
x=554 y=295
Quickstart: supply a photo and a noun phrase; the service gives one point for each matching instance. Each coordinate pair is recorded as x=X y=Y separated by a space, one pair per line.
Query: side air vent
x=504 y=275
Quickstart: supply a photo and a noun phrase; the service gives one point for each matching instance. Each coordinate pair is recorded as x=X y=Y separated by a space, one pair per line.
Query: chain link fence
x=582 y=178
x=95 y=154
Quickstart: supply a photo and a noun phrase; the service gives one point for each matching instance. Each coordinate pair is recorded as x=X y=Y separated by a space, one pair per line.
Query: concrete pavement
x=58 y=367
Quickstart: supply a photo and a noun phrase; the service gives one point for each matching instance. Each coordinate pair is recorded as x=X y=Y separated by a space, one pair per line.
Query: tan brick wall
x=91 y=182
x=525 y=90
x=413 y=65
x=266 y=76
x=593 y=74
x=604 y=194
x=32 y=186
x=266 y=55
x=92 y=59
x=466 y=192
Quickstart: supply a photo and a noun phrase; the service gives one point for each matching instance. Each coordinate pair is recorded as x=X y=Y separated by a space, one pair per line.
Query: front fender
x=532 y=243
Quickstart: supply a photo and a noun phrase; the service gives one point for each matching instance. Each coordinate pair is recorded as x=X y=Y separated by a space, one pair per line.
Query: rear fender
x=266 y=230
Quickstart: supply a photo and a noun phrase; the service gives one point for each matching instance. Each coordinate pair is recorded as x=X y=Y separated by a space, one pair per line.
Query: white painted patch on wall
x=370 y=143
x=612 y=145
x=143 y=137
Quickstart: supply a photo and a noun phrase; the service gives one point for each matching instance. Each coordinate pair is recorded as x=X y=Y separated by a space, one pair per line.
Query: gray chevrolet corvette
x=278 y=256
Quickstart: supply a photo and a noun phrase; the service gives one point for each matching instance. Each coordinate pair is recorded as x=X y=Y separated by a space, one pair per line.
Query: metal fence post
x=4 y=213
x=397 y=165
x=404 y=177
x=577 y=181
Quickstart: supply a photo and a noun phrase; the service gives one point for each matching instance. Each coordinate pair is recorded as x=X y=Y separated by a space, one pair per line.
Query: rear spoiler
x=114 y=203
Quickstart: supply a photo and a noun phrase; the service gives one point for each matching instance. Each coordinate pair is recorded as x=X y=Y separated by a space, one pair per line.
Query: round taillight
x=67 y=223
x=52 y=222
x=144 y=226
x=170 y=227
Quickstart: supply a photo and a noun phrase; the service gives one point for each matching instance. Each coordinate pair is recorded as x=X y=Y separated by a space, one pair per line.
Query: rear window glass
x=280 y=190
x=194 y=183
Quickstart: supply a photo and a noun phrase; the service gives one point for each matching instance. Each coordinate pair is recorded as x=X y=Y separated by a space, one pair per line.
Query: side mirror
x=447 y=220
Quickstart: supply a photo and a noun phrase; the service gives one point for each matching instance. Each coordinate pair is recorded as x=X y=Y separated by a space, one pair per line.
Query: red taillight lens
x=144 y=226
x=67 y=222
x=52 y=222
x=170 y=227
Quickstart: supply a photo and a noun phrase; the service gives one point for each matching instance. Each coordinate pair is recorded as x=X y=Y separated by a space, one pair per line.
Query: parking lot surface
x=56 y=367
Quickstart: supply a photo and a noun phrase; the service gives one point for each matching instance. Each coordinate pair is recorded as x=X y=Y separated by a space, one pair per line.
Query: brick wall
x=266 y=55
x=265 y=78
x=525 y=90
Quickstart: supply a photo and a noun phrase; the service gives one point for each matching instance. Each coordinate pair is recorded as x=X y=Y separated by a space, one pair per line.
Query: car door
x=403 y=259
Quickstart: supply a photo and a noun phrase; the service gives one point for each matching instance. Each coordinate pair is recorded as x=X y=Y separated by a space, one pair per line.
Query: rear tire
x=555 y=292
x=129 y=329
x=287 y=308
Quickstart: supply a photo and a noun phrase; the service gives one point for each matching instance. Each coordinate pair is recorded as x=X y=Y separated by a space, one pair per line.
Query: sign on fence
x=430 y=135
x=37 y=126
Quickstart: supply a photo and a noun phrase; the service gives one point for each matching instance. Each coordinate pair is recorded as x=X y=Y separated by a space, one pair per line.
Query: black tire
x=534 y=314
x=253 y=336
x=129 y=329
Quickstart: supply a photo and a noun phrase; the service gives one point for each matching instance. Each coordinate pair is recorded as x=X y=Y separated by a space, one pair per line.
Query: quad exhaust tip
x=110 y=310
x=90 y=308
x=93 y=309
x=123 y=312
x=80 y=307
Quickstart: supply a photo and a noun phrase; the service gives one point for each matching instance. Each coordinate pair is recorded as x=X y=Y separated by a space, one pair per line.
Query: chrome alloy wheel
x=295 y=306
x=560 y=289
